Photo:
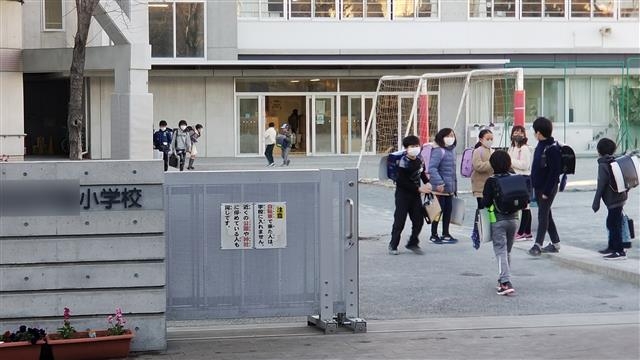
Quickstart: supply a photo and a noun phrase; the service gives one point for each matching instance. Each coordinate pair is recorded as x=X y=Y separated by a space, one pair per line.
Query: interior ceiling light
x=159 y=5
x=295 y=81
x=314 y=80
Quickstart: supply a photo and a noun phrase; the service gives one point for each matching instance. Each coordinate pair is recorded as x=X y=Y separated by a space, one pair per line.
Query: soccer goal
x=464 y=101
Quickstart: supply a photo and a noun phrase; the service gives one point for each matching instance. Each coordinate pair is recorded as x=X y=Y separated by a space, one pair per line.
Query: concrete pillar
x=11 y=88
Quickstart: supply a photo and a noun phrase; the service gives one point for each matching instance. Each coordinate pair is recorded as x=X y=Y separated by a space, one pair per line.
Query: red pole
x=518 y=108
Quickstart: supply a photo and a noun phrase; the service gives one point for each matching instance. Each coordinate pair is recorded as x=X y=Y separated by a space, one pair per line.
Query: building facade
x=234 y=66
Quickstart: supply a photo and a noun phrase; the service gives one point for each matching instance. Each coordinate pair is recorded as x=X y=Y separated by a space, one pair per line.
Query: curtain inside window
x=601 y=111
x=579 y=100
x=480 y=101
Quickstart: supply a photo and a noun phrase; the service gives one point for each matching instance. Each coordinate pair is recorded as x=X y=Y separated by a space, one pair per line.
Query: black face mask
x=518 y=139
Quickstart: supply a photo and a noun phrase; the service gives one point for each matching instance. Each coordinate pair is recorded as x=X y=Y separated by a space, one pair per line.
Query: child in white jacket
x=520 y=154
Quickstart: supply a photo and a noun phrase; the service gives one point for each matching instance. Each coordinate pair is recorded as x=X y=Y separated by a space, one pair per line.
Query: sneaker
x=288 y=162
x=616 y=255
x=520 y=237
x=499 y=286
x=529 y=236
x=506 y=289
x=415 y=248
x=435 y=239
x=272 y=165
x=448 y=239
x=393 y=251
x=535 y=250
x=606 y=251
x=551 y=248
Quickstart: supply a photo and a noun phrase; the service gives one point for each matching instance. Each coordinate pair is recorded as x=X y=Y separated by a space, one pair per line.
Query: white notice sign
x=271 y=225
x=236 y=231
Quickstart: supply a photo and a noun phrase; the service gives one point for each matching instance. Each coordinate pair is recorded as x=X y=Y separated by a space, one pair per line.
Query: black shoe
x=435 y=239
x=535 y=250
x=616 y=255
x=448 y=239
x=506 y=289
x=606 y=251
x=416 y=249
x=393 y=251
x=551 y=248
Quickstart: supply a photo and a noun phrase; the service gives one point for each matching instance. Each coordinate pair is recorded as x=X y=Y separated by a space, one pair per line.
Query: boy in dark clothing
x=613 y=200
x=408 y=190
x=162 y=142
x=504 y=228
x=545 y=176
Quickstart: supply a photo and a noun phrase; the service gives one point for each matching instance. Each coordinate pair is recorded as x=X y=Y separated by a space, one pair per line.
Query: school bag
x=466 y=165
x=512 y=193
x=282 y=141
x=425 y=154
x=624 y=173
x=567 y=158
x=393 y=161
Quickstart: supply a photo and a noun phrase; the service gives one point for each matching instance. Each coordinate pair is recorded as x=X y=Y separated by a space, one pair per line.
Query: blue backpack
x=393 y=161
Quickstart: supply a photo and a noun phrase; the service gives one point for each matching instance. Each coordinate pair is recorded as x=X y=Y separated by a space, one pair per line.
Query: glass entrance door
x=355 y=112
x=322 y=127
x=248 y=125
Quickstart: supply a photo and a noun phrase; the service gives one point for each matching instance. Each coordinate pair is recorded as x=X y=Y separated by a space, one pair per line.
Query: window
x=377 y=8
x=325 y=9
x=352 y=9
x=403 y=9
x=52 y=14
x=176 y=30
x=427 y=8
x=300 y=9
x=589 y=100
x=492 y=9
x=629 y=8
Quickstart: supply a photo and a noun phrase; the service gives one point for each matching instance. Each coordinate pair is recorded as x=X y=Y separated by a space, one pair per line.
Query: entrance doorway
x=292 y=111
x=46 y=100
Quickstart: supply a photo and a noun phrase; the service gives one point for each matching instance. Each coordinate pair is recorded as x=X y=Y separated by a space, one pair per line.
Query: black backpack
x=567 y=158
x=512 y=193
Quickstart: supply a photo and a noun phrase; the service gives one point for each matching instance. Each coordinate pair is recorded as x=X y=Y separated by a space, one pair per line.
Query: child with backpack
x=613 y=200
x=520 y=154
x=504 y=195
x=442 y=172
x=162 y=142
x=195 y=135
x=481 y=172
x=410 y=171
x=283 y=141
x=545 y=177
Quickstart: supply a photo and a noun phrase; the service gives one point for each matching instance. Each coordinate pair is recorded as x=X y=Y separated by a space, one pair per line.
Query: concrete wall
x=91 y=262
x=222 y=30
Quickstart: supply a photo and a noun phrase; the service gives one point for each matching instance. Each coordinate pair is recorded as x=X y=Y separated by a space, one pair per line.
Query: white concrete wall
x=11 y=85
x=446 y=37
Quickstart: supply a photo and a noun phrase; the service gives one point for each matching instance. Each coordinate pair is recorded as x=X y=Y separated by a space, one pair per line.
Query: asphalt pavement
x=443 y=305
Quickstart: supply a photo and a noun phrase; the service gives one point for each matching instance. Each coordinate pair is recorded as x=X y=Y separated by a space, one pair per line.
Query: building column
x=11 y=87
x=132 y=105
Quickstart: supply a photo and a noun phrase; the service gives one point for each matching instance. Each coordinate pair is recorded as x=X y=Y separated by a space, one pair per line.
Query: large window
x=575 y=9
x=544 y=97
x=338 y=9
x=52 y=14
x=176 y=29
x=589 y=100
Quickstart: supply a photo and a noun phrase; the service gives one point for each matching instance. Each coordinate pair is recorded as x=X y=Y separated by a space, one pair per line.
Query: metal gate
x=315 y=275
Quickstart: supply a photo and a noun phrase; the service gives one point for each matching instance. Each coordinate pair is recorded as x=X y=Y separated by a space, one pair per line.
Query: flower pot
x=20 y=350
x=82 y=347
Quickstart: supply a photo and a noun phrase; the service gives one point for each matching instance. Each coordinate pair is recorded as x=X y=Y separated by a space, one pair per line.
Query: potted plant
x=110 y=343
x=24 y=344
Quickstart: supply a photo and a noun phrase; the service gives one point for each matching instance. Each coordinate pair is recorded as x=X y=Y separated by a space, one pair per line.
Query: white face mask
x=183 y=128
x=413 y=151
x=488 y=143
x=449 y=141
x=163 y=128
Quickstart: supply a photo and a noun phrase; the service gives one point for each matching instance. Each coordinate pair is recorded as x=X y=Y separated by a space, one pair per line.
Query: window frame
x=44 y=17
x=175 y=58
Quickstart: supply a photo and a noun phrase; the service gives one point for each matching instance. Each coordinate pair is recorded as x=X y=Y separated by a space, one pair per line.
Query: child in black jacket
x=407 y=197
x=613 y=200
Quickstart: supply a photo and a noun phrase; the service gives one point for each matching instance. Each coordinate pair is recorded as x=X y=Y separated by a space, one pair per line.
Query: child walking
x=504 y=228
x=408 y=190
x=613 y=200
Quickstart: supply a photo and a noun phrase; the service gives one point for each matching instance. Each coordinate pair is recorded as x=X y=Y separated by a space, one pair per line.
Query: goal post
x=423 y=104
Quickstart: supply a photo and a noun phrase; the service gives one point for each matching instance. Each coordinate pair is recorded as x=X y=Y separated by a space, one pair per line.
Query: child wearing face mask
x=162 y=142
x=181 y=144
x=442 y=170
x=407 y=196
x=520 y=154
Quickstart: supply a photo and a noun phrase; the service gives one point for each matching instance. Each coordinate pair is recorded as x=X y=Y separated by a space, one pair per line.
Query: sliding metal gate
x=315 y=274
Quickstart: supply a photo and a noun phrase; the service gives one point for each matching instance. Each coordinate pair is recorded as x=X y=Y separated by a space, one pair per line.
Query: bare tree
x=76 y=119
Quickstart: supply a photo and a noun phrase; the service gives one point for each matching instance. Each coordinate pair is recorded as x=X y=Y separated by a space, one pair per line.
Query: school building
x=236 y=65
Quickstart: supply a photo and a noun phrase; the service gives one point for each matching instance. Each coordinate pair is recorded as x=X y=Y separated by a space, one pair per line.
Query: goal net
x=464 y=101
